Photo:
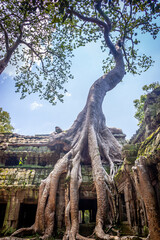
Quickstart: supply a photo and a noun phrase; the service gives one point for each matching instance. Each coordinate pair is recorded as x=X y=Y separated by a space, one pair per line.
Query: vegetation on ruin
x=139 y=103
x=5 y=122
x=151 y=144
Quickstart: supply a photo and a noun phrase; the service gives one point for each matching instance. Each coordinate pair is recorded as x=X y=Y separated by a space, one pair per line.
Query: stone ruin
x=26 y=160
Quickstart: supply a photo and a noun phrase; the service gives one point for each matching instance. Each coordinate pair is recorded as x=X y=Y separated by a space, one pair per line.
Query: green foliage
x=129 y=20
x=46 y=32
x=150 y=145
x=86 y=216
x=45 y=48
x=20 y=161
x=8 y=231
x=43 y=51
x=68 y=179
x=60 y=233
x=146 y=231
x=139 y=103
x=5 y=124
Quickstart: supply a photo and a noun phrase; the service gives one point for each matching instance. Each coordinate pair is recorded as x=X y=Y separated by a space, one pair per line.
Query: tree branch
x=6 y=36
x=130 y=11
x=30 y=46
x=9 y=50
x=126 y=58
x=10 y=15
x=88 y=19
x=107 y=29
x=17 y=42
x=100 y=24
x=32 y=49
x=106 y=18
x=110 y=45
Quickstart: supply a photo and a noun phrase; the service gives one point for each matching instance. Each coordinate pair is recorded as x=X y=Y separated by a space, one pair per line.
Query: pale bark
x=4 y=62
x=146 y=191
x=90 y=133
x=86 y=141
x=9 y=51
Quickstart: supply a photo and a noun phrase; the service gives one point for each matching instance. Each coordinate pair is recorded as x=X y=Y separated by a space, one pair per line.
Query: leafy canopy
x=5 y=124
x=139 y=103
x=47 y=32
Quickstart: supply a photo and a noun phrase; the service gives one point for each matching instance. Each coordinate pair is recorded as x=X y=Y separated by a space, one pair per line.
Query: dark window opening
x=2 y=213
x=27 y=215
x=12 y=161
x=87 y=210
x=123 y=206
x=42 y=163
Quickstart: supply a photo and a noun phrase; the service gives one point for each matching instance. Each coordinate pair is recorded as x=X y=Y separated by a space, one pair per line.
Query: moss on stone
x=151 y=144
x=129 y=153
x=118 y=174
x=8 y=231
x=131 y=147
x=5 y=225
x=131 y=160
x=67 y=179
x=125 y=229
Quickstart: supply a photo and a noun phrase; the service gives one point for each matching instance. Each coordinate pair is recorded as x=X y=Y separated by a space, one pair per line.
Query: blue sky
x=32 y=116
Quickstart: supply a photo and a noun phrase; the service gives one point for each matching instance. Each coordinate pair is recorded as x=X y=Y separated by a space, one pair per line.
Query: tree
x=33 y=40
x=139 y=103
x=45 y=34
x=5 y=124
x=89 y=140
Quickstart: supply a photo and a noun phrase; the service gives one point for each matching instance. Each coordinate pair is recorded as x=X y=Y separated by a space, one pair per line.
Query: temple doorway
x=2 y=213
x=87 y=210
x=27 y=215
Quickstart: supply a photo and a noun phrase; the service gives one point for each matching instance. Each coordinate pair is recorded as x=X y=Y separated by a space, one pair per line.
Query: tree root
x=88 y=141
x=70 y=164
x=24 y=231
x=145 y=188
x=79 y=237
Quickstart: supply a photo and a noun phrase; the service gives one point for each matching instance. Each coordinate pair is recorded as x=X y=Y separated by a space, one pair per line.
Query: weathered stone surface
x=118 y=134
x=152 y=117
x=22 y=176
x=143 y=151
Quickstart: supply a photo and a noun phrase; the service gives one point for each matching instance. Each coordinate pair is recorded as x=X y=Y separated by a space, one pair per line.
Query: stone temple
x=26 y=160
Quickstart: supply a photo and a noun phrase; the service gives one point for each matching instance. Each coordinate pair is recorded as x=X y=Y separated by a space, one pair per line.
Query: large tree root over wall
x=147 y=192
x=89 y=140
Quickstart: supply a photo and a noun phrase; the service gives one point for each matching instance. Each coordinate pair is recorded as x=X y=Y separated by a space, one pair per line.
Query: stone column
x=83 y=216
x=90 y=215
x=12 y=212
x=126 y=197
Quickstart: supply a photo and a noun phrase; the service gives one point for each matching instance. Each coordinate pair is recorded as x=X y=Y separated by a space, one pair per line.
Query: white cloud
x=68 y=94
x=35 y=105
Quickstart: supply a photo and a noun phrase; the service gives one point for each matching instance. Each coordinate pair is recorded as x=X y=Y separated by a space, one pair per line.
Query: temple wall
x=25 y=161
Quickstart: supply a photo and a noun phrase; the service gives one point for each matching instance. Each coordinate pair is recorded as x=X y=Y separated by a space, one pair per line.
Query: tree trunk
x=9 y=52
x=89 y=139
x=146 y=191
x=3 y=65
